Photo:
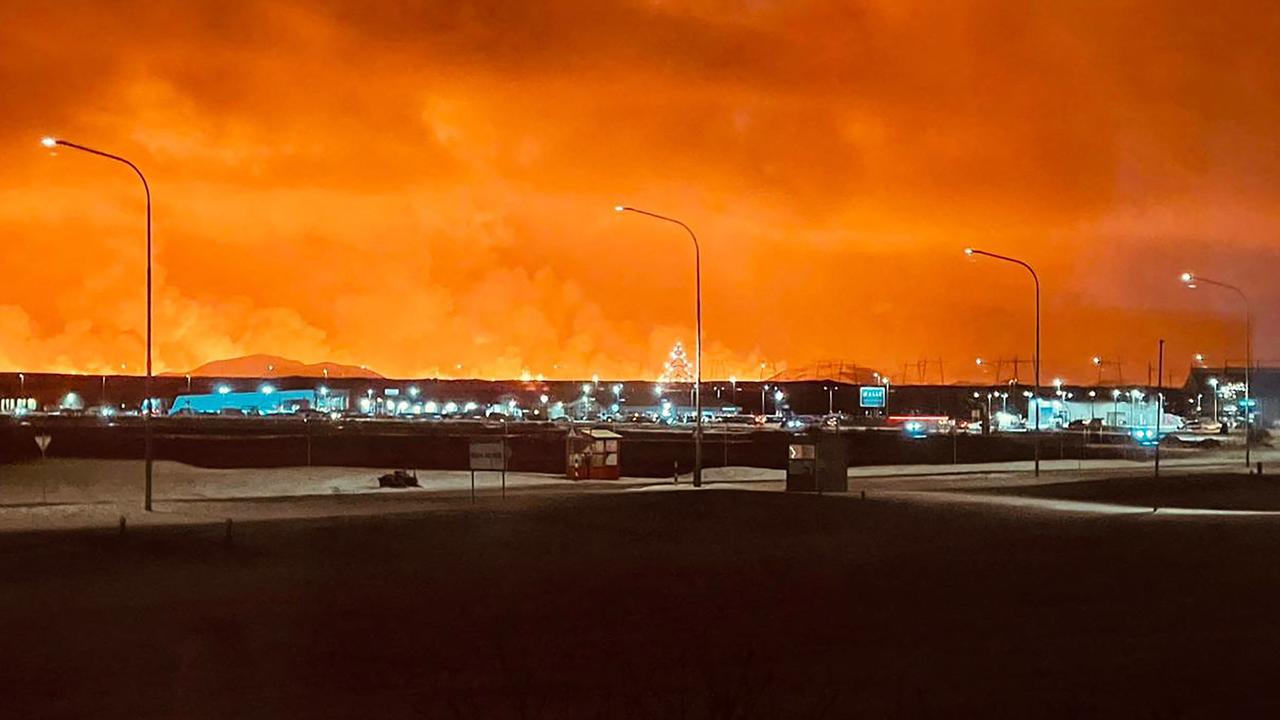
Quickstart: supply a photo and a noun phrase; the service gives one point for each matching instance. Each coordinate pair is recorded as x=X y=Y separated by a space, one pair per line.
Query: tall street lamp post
x=1192 y=281
x=147 y=408
x=1036 y=278
x=697 y=388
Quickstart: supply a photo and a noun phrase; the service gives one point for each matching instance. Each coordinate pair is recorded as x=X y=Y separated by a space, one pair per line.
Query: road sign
x=801 y=452
x=488 y=455
x=42 y=442
x=871 y=396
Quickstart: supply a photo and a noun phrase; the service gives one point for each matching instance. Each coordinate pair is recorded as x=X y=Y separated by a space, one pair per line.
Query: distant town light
x=267 y=389
x=224 y=389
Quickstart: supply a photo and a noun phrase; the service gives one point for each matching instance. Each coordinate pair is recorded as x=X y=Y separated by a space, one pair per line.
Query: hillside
x=261 y=366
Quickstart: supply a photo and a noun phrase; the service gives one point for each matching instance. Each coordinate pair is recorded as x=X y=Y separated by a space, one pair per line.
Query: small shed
x=817 y=462
x=592 y=454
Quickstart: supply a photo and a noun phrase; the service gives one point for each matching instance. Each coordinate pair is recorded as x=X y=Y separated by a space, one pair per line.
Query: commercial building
x=264 y=401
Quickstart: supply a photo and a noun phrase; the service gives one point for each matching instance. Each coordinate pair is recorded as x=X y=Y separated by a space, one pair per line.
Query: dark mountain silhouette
x=263 y=366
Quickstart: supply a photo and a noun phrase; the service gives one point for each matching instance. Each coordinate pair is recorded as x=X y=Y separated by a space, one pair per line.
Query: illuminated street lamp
x=697 y=388
x=51 y=142
x=1192 y=281
x=1036 y=278
x=1213 y=383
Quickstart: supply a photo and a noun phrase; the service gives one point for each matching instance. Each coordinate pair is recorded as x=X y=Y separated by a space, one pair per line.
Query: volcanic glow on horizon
x=428 y=188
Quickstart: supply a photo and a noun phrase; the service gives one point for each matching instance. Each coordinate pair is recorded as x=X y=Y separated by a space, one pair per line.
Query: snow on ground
x=58 y=493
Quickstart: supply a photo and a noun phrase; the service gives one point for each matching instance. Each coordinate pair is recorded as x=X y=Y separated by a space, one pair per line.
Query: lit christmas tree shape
x=677 y=369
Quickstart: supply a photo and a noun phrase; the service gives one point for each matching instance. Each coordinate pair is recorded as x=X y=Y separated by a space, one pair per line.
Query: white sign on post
x=488 y=455
x=42 y=442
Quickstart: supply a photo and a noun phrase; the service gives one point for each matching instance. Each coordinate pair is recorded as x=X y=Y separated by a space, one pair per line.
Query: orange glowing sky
x=413 y=186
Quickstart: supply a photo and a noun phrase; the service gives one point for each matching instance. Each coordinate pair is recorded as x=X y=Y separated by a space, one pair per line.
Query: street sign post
x=489 y=455
x=42 y=442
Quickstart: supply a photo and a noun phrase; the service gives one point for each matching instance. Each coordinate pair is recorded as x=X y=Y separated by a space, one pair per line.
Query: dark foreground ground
x=711 y=604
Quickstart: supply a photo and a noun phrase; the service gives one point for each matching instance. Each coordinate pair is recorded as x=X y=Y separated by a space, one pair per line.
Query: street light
x=51 y=142
x=1036 y=278
x=1192 y=281
x=697 y=388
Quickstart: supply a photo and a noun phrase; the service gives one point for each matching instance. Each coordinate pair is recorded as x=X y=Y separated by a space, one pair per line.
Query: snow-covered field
x=60 y=493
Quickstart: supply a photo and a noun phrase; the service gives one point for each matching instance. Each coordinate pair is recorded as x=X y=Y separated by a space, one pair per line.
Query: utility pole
x=1159 y=405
